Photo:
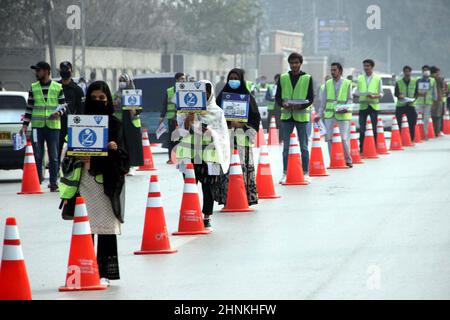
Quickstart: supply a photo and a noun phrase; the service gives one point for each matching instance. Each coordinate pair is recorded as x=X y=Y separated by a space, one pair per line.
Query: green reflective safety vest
x=271 y=104
x=42 y=108
x=374 y=88
x=298 y=93
x=332 y=101
x=171 y=107
x=249 y=85
x=407 y=90
x=186 y=149
x=428 y=99
x=69 y=183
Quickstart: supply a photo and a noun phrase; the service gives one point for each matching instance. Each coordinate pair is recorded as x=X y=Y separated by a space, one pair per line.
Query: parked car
x=260 y=97
x=12 y=111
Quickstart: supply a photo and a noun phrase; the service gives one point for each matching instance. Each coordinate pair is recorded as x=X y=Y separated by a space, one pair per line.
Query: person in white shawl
x=193 y=130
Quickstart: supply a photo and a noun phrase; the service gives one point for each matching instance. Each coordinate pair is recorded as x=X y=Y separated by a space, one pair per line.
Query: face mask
x=97 y=107
x=65 y=74
x=234 y=84
x=122 y=85
x=426 y=73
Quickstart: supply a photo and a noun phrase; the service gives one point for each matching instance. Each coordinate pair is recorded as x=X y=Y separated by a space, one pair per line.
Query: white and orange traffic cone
x=82 y=268
x=406 y=136
x=337 y=158
x=354 y=145
x=418 y=138
x=14 y=284
x=431 y=133
x=260 y=138
x=237 y=200
x=191 y=219
x=381 y=140
x=316 y=164
x=294 y=174
x=396 y=139
x=30 y=178
x=369 y=148
x=446 y=127
x=264 y=179
x=149 y=165
x=155 y=238
x=274 y=137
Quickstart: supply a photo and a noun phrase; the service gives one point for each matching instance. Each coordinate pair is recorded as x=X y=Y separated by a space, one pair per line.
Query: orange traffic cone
x=82 y=269
x=446 y=127
x=406 y=137
x=237 y=200
x=421 y=125
x=431 y=133
x=337 y=159
x=294 y=174
x=354 y=145
x=316 y=163
x=274 y=138
x=369 y=149
x=381 y=140
x=260 y=139
x=14 y=284
x=418 y=138
x=264 y=180
x=155 y=238
x=191 y=219
x=396 y=139
x=149 y=165
x=30 y=178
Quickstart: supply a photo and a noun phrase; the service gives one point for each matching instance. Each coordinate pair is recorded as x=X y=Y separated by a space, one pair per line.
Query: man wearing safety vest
x=318 y=101
x=405 y=91
x=46 y=105
x=169 y=112
x=295 y=95
x=369 y=91
x=426 y=95
x=336 y=108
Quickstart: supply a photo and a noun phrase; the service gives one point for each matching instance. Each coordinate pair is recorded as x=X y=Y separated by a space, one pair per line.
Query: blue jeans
x=51 y=136
x=287 y=127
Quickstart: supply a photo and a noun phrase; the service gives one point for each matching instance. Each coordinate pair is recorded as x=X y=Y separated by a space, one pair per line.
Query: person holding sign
x=295 y=95
x=205 y=142
x=244 y=125
x=131 y=123
x=336 y=107
x=369 y=92
x=101 y=181
x=169 y=112
x=426 y=93
x=405 y=91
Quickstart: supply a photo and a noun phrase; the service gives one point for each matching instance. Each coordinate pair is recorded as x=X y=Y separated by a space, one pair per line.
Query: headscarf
x=214 y=119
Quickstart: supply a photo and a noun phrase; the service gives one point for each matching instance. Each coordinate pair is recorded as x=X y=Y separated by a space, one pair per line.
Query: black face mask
x=65 y=74
x=97 y=107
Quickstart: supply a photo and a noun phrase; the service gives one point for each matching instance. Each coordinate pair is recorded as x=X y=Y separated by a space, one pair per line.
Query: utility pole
x=389 y=53
x=78 y=56
x=48 y=5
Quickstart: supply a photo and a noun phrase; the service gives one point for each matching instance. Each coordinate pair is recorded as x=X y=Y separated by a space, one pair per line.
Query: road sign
x=333 y=35
x=87 y=135
x=132 y=99
x=235 y=106
x=190 y=96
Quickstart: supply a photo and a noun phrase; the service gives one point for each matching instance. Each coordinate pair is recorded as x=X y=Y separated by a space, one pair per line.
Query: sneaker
x=132 y=171
x=54 y=189
x=207 y=224
x=283 y=179
x=104 y=281
x=349 y=165
x=307 y=178
x=169 y=162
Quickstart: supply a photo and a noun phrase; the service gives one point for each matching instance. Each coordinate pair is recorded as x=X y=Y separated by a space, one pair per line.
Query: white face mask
x=427 y=73
x=122 y=85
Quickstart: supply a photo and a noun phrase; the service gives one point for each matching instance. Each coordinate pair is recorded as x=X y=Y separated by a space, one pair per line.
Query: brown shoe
x=169 y=162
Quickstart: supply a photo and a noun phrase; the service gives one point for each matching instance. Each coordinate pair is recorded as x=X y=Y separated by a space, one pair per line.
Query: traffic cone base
x=89 y=288
x=156 y=252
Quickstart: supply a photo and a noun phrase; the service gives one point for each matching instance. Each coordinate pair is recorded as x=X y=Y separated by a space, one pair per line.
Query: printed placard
x=132 y=99
x=235 y=106
x=423 y=86
x=87 y=135
x=191 y=97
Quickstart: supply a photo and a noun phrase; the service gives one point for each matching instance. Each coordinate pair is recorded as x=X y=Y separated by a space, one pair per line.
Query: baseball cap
x=65 y=65
x=41 y=65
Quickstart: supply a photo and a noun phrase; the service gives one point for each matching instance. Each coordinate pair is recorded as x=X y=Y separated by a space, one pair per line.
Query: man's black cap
x=42 y=65
x=65 y=65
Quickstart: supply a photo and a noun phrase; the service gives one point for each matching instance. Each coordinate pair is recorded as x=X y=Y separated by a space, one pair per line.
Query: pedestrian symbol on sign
x=87 y=137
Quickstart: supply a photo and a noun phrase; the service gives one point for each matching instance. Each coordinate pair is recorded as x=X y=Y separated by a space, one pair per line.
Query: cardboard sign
x=235 y=106
x=132 y=99
x=19 y=141
x=423 y=86
x=191 y=97
x=87 y=135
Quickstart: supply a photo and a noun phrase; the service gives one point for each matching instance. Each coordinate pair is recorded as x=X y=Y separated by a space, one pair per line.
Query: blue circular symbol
x=190 y=99
x=132 y=100
x=87 y=137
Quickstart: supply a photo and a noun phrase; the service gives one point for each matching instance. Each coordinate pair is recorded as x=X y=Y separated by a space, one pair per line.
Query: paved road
x=378 y=231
